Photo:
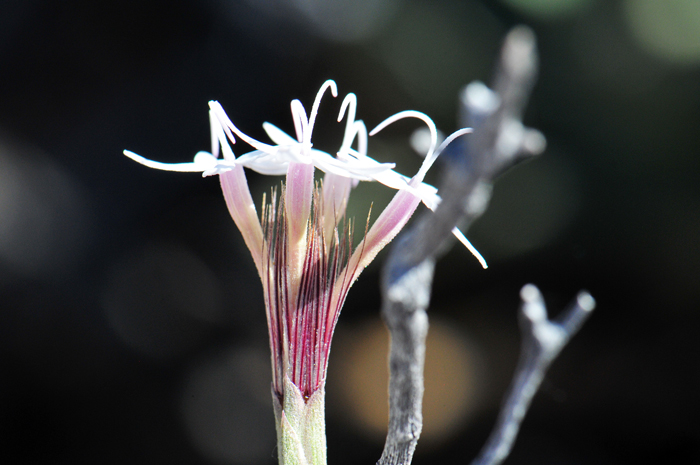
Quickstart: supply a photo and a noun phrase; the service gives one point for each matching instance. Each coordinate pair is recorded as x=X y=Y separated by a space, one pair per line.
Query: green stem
x=301 y=426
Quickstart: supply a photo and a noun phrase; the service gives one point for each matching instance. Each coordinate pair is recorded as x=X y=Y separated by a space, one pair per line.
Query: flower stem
x=301 y=426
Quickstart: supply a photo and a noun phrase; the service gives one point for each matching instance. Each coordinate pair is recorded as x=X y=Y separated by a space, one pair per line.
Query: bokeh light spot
x=159 y=299
x=433 y=48
x=336 y=20
x=347 y=20
x=43 y=216
x=226 y=407
x=531 y=206
x=549 y=9
x=669 y=29
x=453 y=380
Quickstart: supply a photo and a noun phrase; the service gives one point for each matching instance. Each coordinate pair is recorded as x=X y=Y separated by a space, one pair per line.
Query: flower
x=303 y=247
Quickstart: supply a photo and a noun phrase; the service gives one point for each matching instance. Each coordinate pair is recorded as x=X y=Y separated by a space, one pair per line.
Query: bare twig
x=498 y=141
x=542 y=340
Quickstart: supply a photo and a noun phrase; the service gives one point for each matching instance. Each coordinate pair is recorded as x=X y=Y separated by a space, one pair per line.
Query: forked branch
x=499 y=141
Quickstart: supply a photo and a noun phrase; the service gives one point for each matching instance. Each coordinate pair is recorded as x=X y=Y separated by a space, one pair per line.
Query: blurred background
x=132 y=326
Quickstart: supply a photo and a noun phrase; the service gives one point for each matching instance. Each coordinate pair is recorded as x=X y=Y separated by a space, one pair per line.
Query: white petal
x=180 y=167
x=206 y=160
x=329 y=84
x=231 y=128
x=277 y=135
x=458 y=234
x=264 y=163
x=430 y=159
x=301 y=121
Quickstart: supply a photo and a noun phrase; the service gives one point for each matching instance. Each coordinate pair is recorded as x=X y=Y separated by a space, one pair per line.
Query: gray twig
x=498 y=141
x=542 y=340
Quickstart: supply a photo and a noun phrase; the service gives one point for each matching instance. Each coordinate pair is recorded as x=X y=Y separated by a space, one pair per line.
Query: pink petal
x=385 y=228
x=242 y=209
x=298 y=194
x=299 y=191
x=336 y=190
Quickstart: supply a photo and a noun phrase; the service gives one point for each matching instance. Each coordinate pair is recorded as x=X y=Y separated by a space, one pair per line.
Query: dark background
x=132 y=325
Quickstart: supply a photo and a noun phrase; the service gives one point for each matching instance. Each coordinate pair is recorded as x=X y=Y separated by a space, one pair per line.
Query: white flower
x=349 y=163
x=305 y=259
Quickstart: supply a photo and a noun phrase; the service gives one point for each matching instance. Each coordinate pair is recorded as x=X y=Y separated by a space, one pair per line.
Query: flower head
x=348 y=166
x=305 y=263
x=302 y=246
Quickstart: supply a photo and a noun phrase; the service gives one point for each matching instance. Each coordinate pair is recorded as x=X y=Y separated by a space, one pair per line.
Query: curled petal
x=304 y=125
x=231 y=129
x=433 y=135
x=431 y=157
x=427 y=194
x=301 y=122
x=329 y=84
x=353 y=129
